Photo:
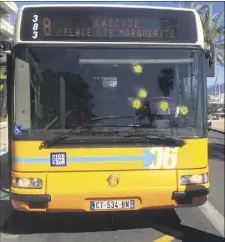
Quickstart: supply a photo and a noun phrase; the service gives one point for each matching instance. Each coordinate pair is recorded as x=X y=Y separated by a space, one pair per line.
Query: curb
x=3 y=150
x=217 y=131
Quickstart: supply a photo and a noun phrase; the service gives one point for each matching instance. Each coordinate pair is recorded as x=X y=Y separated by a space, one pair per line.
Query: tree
x=3 y=84
x=213 y=28
x=3 y=93
x=209 y=105
x=214 y=34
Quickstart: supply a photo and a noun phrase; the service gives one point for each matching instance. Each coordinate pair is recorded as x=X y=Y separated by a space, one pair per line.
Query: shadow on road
x=166 y=222
x=216 y=151
x=216 y=136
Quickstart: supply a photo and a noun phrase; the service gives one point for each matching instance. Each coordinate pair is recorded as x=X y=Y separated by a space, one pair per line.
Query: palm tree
x=214 y=34
x=213 y=29
x=3 y=93
x=3 y=84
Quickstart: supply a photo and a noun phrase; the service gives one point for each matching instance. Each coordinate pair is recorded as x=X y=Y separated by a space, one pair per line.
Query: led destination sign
x=106 y=24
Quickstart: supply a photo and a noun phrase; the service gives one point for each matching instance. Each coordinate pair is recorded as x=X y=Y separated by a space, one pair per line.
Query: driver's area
x=156 y=87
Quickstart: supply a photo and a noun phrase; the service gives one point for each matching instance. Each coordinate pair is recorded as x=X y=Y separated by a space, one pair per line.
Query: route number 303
x=165 y=158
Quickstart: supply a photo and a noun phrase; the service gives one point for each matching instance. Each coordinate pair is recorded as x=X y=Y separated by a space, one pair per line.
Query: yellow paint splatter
x=184 y=110
x=137 y=69
x=136 y=103
x=164 y=106
x=142 y=93
x=1 y=88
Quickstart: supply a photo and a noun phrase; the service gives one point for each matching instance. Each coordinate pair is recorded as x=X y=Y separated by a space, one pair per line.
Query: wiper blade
x=53 y=140
x=105 y=118
x=57 y=138
x=91 y=124
x=112 y=117
x=176 y=141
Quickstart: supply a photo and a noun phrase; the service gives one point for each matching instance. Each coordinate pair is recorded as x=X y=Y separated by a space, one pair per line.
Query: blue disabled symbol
x=18 y=130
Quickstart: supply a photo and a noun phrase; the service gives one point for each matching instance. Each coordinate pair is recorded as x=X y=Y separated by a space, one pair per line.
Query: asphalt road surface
x=191 y=224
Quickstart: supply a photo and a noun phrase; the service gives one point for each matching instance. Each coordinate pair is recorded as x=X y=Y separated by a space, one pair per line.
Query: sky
x=217 y=7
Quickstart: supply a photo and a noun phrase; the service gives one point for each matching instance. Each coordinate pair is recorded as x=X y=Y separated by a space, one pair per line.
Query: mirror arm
x=208 y=56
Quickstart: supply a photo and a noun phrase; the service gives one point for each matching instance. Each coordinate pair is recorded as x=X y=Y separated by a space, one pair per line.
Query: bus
x=107 y=108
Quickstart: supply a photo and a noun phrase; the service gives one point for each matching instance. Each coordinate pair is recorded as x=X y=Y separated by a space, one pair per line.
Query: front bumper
x=73 y=191
x=26 y=202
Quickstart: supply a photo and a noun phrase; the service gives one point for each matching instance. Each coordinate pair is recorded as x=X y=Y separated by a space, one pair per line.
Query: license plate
x=112 y=205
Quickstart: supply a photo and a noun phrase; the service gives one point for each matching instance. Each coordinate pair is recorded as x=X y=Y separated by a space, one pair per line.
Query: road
x=191 y=224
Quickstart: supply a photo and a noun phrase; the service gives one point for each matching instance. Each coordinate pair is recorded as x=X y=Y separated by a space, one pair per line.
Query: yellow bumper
x=73 y=191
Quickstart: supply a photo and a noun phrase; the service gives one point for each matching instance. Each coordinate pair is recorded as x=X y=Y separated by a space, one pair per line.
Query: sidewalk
x=5 y=205
x=218 y=125
x=3 y=138
x=4 y=179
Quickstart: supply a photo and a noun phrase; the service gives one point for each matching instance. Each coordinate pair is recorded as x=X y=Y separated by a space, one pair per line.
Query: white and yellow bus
x=107 y=108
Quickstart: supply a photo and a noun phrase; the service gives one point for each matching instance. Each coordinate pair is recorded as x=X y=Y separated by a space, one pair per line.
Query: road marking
x=170 y=234
x=215 y=217
x=165 y=238
x=4 y=195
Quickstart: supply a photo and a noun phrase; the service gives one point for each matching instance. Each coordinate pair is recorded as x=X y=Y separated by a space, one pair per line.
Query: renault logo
x=113 y=180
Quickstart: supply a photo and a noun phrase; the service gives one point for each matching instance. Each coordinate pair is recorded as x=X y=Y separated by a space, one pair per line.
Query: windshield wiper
x=53 y=140
x=105 y=118
x=57 y=138
x=149 y=138
x=112 y=117
x=176 y=141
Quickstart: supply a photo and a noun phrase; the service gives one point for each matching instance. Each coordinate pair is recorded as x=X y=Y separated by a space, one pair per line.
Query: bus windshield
x=66 y=87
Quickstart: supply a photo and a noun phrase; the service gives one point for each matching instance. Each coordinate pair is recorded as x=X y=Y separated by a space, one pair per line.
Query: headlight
x=33 y=183
x=194 y=179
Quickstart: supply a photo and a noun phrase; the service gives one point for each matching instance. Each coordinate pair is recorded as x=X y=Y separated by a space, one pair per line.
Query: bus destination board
x=105 y=24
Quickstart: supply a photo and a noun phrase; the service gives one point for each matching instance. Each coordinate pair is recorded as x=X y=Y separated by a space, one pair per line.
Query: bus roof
x=106 y=6
x=199 y=40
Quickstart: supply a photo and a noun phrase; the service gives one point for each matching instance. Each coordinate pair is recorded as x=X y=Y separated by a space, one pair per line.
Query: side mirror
x=209 y=57
x=210 y=60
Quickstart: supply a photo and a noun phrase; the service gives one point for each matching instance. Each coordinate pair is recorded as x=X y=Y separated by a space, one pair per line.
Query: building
x=6 y=29
x=6 y=36
x=218 y=99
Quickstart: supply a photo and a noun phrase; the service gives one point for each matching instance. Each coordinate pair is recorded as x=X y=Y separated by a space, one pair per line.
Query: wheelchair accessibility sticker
x=18 y=130
x=58 y=159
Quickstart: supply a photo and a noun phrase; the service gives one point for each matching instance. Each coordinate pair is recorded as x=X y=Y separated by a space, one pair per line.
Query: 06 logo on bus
x=166 y=158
